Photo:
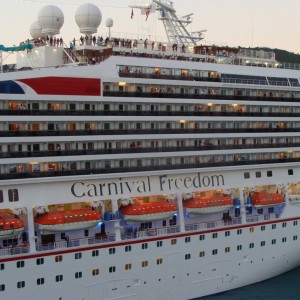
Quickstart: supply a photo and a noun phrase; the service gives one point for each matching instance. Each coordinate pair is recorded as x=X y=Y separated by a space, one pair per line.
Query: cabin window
x=78 y=275
x=284 y=239
x=270 y=210
x=173 y=241
x=290 y=171
x=284 y=224
x=1 y=196
x=13 y=195
x=201 y=253
x=295 y=237
x=58 y=258
x=112 y=250
x=246 y=175
x=146 y=225
x=187 y=256
x=128 y=248
x=215 y=252
x=227 y=249
x=159 y=244
x=227 y=233
x=273 y=226
x=145 y=246
x=295 y=223
x=112 y=269
x=128 y=267
x=95 y=272
x=201 y=237
x=20 y=284
x=59 y=278
x=2 y=287
x=95 y=253
x=20 y=264
x=273 y=241
x=251 y=245
x=260 y=211
x=173 y=221
x=144 y=263
x=40 y=281
x=214 y=235
x=86 y=232
x=188 y=239
x=78 y=255
x=239 y=247
x=262 y=228
x=269 y=173
x=258 y=174
x=239 y=231
x=2 y=267
x=40 y=261
x=159 y=261
x=262 y=243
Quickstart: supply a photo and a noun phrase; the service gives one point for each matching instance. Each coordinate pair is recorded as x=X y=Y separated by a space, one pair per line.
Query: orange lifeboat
x=261 y=199
x=67 y=220
x=207 y=204
x=149 y=211
x=10 y=225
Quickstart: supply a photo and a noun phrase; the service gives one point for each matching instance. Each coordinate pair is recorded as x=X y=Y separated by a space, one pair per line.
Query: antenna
x=176 y=28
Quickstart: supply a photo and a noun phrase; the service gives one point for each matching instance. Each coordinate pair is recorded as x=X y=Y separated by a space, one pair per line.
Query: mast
x=175 y=27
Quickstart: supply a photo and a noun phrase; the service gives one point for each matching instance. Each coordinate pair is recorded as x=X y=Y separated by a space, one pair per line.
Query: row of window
x=13 y=195
x=269 y=174
x=144 y=264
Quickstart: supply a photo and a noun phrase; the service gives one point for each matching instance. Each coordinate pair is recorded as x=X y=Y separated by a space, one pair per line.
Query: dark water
x=283 y=287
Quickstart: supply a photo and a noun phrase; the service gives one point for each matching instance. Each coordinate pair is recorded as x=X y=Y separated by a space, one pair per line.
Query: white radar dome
x=109 y=22
x=88 y=18
x=36 y=30
x=51 y=19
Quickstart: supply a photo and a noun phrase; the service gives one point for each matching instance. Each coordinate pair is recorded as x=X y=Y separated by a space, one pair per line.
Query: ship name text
x=148 y=184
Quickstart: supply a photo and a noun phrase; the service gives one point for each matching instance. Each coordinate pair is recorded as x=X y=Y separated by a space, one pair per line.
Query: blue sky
x=272 y=23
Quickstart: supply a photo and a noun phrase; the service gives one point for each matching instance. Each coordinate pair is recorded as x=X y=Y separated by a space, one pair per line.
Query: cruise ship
x=144 y=169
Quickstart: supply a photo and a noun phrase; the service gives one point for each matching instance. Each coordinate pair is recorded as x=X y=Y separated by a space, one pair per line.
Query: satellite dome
x=51 y=19
x=36 y=30
x=109 y=22
x=88 y=17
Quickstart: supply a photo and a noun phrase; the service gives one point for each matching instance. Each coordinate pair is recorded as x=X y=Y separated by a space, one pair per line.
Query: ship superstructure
x=145 y=169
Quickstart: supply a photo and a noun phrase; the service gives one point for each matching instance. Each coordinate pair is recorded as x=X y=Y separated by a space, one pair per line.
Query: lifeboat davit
x=67 y=220
x=207 y=204
x=149 y=211
x=10 y=225
x=262 y=199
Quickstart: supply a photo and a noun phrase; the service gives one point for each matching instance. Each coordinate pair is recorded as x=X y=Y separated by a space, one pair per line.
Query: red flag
x=148 y=13
x=132 y=13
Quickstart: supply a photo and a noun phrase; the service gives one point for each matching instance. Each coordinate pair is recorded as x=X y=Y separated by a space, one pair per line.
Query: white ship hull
x=148 y=124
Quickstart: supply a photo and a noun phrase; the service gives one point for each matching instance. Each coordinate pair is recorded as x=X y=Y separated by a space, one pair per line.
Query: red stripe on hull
x=64 y=86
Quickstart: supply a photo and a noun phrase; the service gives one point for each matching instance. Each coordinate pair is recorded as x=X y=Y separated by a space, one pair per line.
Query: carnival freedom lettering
x=166 y=184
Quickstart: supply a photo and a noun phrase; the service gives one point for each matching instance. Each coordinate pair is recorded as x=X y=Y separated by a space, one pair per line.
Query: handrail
x=117 y=170
x=202 y=147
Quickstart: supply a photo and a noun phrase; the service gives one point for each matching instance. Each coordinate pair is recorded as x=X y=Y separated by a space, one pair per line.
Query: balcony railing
x=135 y=169
x=148 y=113
x=106 y=132
x=199 y=96
x=202 y=147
